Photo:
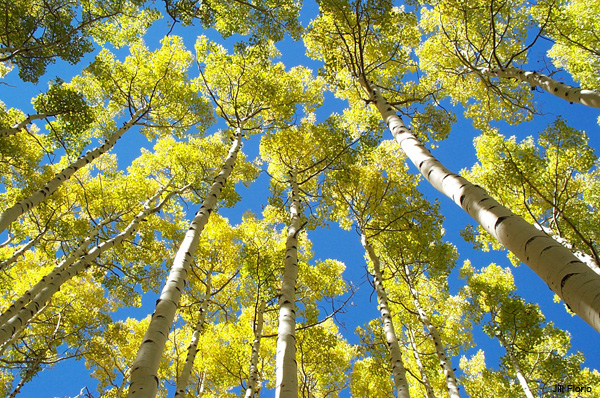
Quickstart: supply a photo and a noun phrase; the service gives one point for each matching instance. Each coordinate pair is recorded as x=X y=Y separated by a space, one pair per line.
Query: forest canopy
x=364 y=198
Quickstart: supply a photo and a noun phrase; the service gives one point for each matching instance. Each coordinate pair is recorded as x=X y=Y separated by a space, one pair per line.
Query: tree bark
x=398 y=370
x=424 y=379
x=251 y=390
x=446 y=365
x=22 y=250
x=572 y=280
x=516 y=366
x=535 y=79
x=184 y=376
x=19 y=126
x=144 y=379
x=23 y=206
x=49 y=285
x=286 y=366
x=74 y=256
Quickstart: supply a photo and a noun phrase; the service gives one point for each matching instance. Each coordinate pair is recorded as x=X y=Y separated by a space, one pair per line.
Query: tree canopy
x=247 y=198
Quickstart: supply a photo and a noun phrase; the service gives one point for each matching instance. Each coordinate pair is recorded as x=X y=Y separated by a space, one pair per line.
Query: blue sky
x=457 y=152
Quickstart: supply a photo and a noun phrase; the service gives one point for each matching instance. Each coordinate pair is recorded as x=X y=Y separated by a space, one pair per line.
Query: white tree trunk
x=144 y=379
x=19 y=126
x=23 y=206
x=446 y=365
x=572 y=280
x=81 y=250
x=26 y=297
x=184 y=376
x=251 y=390
x=516 y=366
x=286 y=367
x=398 y=370
x=22 y=250
x=49 y=285
x=424 y=379
x=535 y=79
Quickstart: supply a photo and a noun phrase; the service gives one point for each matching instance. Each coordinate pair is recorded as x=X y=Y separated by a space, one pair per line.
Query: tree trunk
x=49 y=285
x=184 y=377
x=29 y=374
x=19 y=126
x=144 y=379
x=535 y=79
x=19 y=252
x=516 y=366
x=449 y=376
x=424 y=379
x=286 y=367
x=253 y=373
x=398 y=370
x=74 y=256
x=572 y=280
x=20 y=208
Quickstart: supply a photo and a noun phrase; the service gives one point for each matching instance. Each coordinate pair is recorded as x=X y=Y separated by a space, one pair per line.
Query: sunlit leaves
x=463 y=38
x=573 y=27
x=156 y=80
x=252 y=91
x=549 y=181
x=35 y=33
x=534 y=349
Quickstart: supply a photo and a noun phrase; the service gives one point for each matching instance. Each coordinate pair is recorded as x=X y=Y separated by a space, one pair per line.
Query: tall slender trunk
x=516 y=366
x=572 y=280
x=29 y=374
x=75 y=255
x=184 y=376
x=144 y=379
x=554 y=87
x=52 y=283
x=445 y=364
x=251 y=390
x=424 y=378
x=19 y=126
x=202 y=384
x=398 y=370
x=286 y=366
x=12 y=259
x=23 y=206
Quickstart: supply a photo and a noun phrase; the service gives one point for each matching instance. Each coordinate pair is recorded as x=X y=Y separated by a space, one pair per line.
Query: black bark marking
x=499 y=221
x=565 y=279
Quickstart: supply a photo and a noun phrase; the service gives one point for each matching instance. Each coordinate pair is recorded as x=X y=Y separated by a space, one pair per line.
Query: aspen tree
x=555 y=87
x=183 y=377
x=144 y=381
x=243 y=112
x=297 y=156
x=287 y=379
x=35 y=33
x=567 y=276
x=164 y=82
x=379 y=194
x=424 y=378
x=264 y=245
x=253 y=376
x=554 y=176
x=451 y=380
x=571 y=26
x=488 y=44
x=244 y=109
x=29 y=305
x=536 y=352
x=398 y=370
x=12 y=213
